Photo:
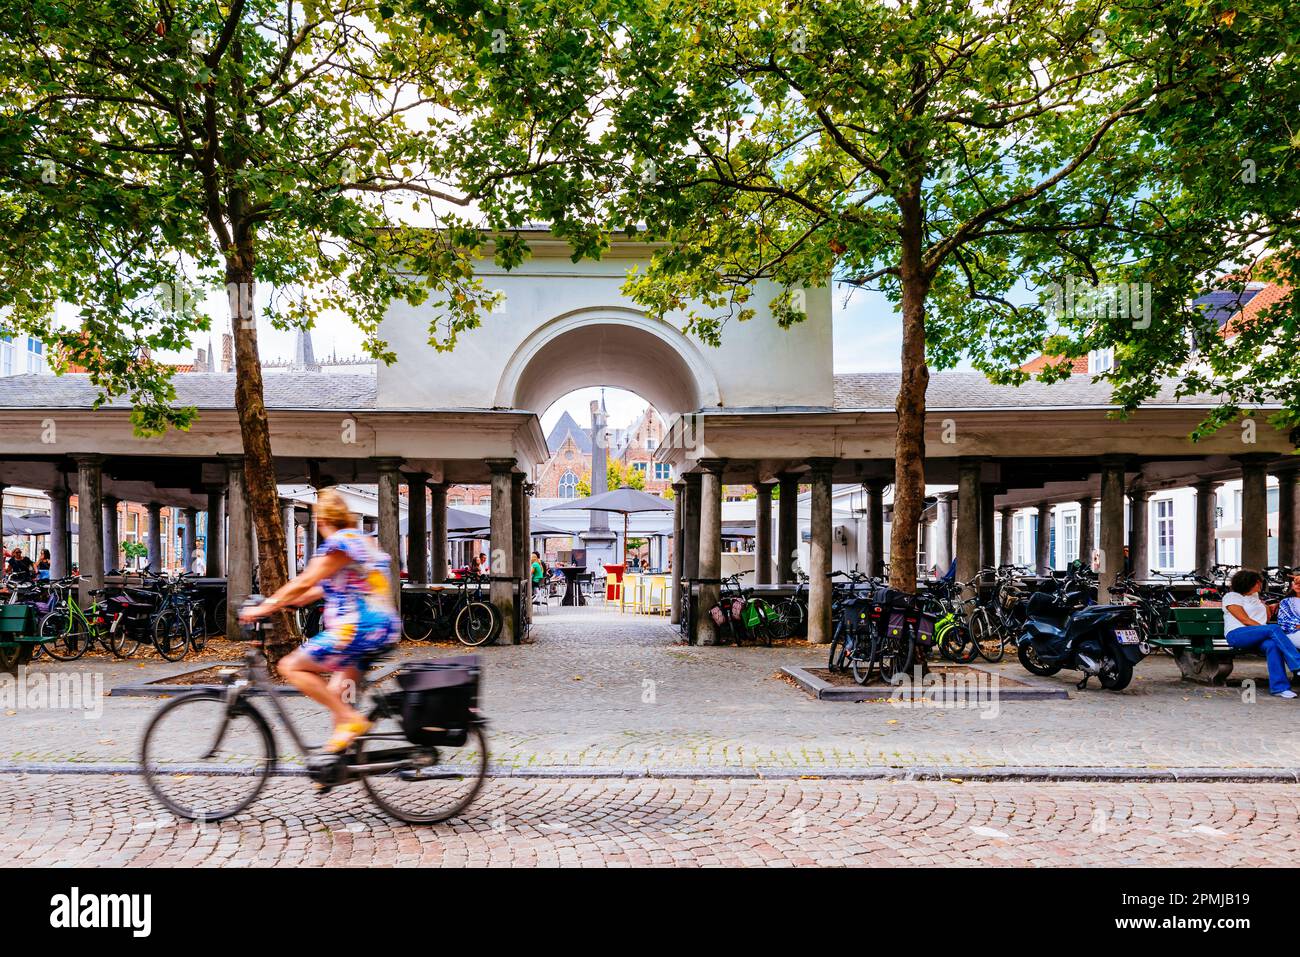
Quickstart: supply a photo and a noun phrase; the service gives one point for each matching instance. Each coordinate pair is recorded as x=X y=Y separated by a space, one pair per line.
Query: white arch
x=611 y=345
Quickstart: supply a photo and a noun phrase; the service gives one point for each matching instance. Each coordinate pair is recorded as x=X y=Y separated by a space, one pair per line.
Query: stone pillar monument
x=600 y=542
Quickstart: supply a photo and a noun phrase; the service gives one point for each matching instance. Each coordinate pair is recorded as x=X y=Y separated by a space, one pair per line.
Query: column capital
x=387 y=463
x=1207 y=485
x=1086 y=500
x=945 y=496
x=234 y=460
x=822 y=463
x=1253 y=459
x=58 y=494
x=788 y=476
x=154 y=508
x=500 y=466
x=714 y=466
x=1285 y=474
x=88 y=458
x=691 y=478
x=416 y=478
x=113 y=499
x=1115 y=460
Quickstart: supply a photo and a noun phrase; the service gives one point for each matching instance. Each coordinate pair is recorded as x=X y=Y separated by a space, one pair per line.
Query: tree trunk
x=909 y=441
x=259 y=467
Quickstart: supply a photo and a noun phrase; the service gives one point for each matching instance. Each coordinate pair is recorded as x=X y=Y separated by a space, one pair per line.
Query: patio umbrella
x=625 y=501
x=458 y=520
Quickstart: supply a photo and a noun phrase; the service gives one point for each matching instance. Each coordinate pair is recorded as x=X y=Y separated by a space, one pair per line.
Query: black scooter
x=1099 y=640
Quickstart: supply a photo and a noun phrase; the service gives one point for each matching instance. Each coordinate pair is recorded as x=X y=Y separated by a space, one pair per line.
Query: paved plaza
x=614 y=745
x=617 y=695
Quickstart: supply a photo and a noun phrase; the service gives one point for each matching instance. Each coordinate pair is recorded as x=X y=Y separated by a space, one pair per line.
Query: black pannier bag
x=438 y=699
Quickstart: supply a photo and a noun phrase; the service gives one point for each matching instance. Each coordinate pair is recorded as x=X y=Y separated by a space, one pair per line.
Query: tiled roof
x=1268 y=296
x=204 y=390
x=1222 y=304
x=1078 y=365
x=971 y=390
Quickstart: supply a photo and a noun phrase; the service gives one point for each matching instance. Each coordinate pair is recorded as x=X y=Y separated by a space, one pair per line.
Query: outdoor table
x=572 y=593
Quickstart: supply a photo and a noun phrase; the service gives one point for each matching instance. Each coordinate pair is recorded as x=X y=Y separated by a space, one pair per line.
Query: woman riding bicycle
x=360 y=619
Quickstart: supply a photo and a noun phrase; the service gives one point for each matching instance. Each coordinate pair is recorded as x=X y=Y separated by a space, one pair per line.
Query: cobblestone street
x=108 y=820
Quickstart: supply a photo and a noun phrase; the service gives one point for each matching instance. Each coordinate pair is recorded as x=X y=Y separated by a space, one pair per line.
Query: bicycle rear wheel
x=417 y=622
x=204 y=761
x=985 y=636
x=435 y=784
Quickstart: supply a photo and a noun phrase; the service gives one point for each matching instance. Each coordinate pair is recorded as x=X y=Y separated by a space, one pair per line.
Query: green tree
x=956 y=156
x=273 y=151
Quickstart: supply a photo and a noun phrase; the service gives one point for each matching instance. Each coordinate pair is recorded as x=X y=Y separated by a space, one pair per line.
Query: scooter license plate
x=1127 y=636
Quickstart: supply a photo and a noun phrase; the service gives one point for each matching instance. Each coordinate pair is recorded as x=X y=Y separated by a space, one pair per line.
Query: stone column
x=1043 y=546
x=390 y=520
x=112 y=548
x=1112 y=524
x=1288 y=545
x=154 y=536
x=763 y=533
x=787 y=531
x=819 y=553
x=1139 y=523
x=438 y=532
x=691 y=539
x=988 y=549
x=239 y=548
x=289 y=519
x=1207 y=503
x=520 y=542
x=1254 y=512
x=216 y=540
x=1008 y=535
x=192 y=538
x=90 y=524
x=876 y=529
x=710 y=556
x=1086 y=535
x=969 y=494
x=943 y=533
x=417 y=530
x=59 y=565
x=679 y=542
x=501 y=558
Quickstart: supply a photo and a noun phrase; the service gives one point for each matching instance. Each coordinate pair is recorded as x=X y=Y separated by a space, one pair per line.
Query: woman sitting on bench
x=1245 y=626
x=1288 y=612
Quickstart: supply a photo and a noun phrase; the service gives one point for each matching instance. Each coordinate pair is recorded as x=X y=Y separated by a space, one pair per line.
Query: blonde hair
x=332 y=509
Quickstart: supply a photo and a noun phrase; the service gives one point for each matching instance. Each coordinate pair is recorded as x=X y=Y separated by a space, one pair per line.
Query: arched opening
x=619 y=347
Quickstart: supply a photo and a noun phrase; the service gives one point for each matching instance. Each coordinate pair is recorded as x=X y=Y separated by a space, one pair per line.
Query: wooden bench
x=1195 y=638
x=18 y=636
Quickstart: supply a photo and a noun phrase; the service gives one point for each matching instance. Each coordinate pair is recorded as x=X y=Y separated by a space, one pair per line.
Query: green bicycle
x=67 y=632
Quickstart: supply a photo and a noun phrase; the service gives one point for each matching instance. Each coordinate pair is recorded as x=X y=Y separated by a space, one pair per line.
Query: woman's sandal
x=344 y=735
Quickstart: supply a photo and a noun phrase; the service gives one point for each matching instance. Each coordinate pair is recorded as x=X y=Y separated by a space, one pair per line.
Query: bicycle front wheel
x=986 y=638
x=171 y=635
x=63 y=637
x=204 y=759
x=476 y=624
x=428 y=785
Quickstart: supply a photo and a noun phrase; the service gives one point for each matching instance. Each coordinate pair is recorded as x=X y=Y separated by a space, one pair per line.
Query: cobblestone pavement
x=616 y=693
x=109 y=820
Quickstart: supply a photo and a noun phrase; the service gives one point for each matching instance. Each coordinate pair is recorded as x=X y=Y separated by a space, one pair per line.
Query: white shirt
x=1252 y=605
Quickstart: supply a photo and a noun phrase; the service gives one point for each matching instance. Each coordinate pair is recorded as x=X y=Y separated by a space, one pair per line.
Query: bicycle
x=744 y=616
x=478 y=622
x=223 y=751
x=68 y=631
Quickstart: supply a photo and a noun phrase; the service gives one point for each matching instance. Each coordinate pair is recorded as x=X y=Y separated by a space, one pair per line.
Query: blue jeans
x=1277 y=648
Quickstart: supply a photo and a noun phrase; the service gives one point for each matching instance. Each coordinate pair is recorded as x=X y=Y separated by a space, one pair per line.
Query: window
x=651 y=444
x=1101 y=360
x=1021 y=550
x=35 y=355
x=641 y=466
x=663 y=472
x=6 y=355
x=1070 y=536
x=1165 y=533
x=568 y=485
